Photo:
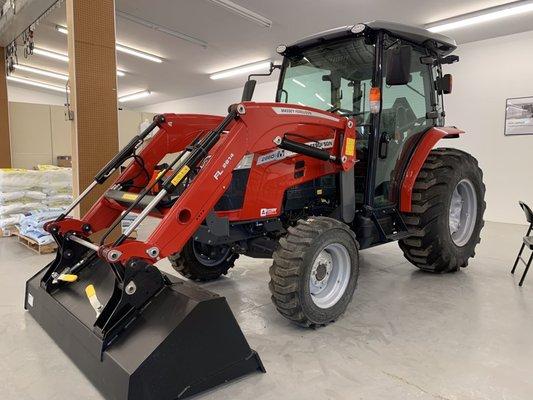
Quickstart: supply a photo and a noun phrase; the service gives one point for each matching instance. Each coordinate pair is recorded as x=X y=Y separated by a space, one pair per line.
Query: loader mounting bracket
x=142 y=282
x=70 y=258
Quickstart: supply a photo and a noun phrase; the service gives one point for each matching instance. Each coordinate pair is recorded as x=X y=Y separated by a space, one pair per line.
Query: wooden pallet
x=38 y=248
x=8 y=232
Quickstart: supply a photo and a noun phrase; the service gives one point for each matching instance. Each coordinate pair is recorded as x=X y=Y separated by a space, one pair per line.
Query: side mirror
x=449 y=59
x=248 y=91
x=399 y=66
x=444 y=84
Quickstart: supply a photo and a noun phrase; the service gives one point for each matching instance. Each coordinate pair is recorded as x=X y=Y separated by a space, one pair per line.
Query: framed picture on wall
x=519 y=116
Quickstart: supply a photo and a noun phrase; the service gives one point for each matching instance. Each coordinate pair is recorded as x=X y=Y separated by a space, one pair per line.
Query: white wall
x=213 y=103
x=39 y=132
x=39 y=139
x=489 y=72
x=19 y=94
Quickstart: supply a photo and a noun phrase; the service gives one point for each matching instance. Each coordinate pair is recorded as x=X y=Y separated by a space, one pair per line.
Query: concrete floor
x=406 y=334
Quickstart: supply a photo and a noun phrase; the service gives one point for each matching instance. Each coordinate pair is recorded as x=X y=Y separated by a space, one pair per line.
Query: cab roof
x=442 y=44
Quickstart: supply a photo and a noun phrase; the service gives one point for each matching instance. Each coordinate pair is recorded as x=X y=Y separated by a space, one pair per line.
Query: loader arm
x=174 y=134
x=209 y=149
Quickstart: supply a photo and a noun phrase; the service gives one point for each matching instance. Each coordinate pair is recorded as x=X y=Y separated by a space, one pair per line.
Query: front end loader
x=342 y=161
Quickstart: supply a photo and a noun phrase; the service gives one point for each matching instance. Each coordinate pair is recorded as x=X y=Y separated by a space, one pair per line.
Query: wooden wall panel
x=5 y=146
x=92 y=72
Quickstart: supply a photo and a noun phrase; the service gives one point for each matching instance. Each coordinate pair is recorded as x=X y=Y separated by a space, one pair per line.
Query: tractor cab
x=386 y=76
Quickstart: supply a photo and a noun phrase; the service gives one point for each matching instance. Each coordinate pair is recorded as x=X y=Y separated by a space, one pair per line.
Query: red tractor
x=342 y=161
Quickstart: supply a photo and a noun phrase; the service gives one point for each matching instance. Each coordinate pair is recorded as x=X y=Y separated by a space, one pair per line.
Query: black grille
x=233 y=199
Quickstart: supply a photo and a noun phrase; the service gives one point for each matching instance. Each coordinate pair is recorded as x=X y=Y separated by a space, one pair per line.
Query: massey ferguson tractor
x=343 y=160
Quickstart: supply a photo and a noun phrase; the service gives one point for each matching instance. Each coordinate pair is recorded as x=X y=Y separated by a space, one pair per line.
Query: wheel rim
x=210 y=256
x=463 y=212
x=330 y=275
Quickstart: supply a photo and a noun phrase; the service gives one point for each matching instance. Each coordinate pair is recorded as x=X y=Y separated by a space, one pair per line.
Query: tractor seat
x=126 y=199
x=528 y=241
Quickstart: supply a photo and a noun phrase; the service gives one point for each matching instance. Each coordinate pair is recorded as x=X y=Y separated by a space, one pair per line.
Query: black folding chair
x=528 y=241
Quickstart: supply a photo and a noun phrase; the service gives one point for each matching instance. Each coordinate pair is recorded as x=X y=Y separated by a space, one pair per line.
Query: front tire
x=314 y=271
x=203 y=262
x=447 y=212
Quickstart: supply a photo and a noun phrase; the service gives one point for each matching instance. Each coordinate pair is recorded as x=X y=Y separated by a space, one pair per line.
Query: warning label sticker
x=267 y=212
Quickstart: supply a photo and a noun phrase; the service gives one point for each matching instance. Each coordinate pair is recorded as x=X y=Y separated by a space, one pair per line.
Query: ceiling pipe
x=162 y=29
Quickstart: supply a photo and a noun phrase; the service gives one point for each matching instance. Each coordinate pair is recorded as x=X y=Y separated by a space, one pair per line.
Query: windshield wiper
x=344 y=112
x=415 y=90
x=351 y=113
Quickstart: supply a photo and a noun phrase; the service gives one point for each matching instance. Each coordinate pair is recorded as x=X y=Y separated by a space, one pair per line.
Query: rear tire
x=194 y=265
x=447 y=212
x=314 y=271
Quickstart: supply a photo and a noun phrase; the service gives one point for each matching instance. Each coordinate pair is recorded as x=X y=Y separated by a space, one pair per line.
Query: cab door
x=406 y=114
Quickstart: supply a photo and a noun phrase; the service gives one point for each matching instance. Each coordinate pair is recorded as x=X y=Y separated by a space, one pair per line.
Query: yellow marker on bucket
x=67 y=278
x=90 y=291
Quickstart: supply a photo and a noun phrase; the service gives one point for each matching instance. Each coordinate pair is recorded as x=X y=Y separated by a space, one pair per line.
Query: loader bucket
x=186 y=340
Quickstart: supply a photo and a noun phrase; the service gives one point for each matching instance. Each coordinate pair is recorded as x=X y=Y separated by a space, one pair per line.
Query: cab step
x=398 y=229
x=398 y=236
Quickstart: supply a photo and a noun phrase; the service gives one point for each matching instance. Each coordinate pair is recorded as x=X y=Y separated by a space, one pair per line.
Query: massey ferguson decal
x=267 y=212
x=280 y=154
x=300 y=112
x=219 y=173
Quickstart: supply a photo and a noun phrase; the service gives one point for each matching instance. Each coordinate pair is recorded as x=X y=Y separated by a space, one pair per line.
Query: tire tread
x=424 y=247
x=285 y=272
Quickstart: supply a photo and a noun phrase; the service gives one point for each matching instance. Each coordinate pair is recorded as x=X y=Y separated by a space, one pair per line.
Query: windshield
x=335 y=77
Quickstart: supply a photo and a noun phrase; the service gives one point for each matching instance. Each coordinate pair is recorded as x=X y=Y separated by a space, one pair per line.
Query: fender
x=431 y=137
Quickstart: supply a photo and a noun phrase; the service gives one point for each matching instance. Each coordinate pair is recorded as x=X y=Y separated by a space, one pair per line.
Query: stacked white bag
x=56 y=184
x=25 y=191
x=32 y=225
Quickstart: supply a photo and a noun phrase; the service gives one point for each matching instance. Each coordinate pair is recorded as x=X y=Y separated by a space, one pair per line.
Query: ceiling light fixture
x=36 y=83
x=137 y=53
x=134 y=96
x=62 y=29
x=123 y=49
x=243 y=12
x=50 y=54
x=56 y=56
x=240 y=70
x=39 y=71
x=477 y=17
x=162 y=29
